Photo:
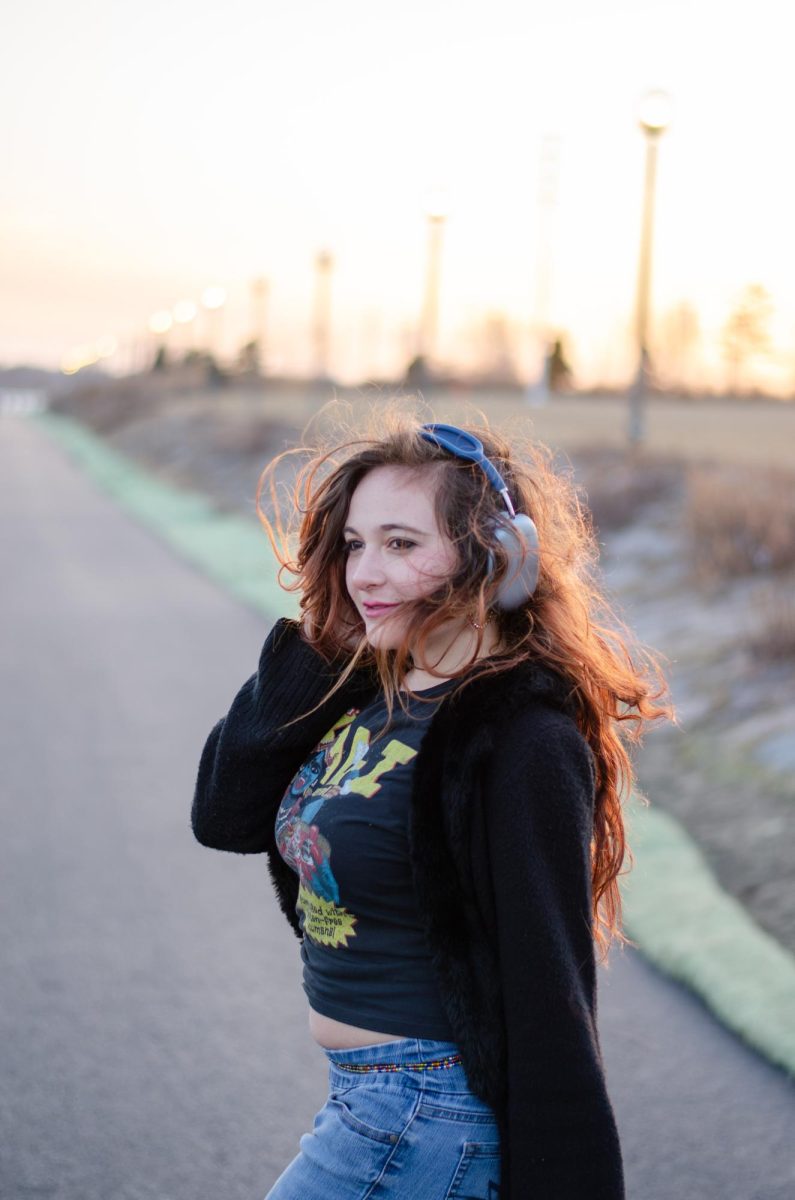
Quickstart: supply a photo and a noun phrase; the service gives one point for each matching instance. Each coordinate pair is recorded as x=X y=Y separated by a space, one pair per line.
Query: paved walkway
x=153 y=1039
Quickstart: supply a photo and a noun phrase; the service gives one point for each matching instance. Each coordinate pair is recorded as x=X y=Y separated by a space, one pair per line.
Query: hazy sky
x=149 y=149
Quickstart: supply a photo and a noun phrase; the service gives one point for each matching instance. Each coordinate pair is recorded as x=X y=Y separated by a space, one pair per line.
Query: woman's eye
x=393 y=543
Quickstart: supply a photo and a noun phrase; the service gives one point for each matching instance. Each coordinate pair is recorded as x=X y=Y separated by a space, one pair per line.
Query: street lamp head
x=654 y=112
x=160 y=321
x=437 y=205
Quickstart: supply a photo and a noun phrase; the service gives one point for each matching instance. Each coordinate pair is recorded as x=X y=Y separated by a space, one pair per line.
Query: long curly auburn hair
x=568 y=625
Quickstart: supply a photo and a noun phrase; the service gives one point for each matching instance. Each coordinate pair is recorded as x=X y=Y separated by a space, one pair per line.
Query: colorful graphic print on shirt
x=336 y=768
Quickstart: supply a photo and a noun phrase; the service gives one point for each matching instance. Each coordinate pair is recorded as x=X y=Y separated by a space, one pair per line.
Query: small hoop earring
x=475 y=624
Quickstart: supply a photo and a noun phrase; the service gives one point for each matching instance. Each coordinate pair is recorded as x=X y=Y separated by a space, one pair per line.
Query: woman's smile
x=375 y=608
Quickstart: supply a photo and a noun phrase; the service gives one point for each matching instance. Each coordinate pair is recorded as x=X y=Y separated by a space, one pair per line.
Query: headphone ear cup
x=519 y=538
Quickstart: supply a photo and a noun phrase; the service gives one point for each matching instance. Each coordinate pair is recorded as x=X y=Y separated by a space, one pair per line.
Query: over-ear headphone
x=516 y=532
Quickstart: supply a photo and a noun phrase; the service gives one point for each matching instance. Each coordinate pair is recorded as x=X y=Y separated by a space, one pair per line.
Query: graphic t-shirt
x=343 y=828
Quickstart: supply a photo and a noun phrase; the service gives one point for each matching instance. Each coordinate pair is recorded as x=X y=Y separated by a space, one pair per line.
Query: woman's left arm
x=563 y=1138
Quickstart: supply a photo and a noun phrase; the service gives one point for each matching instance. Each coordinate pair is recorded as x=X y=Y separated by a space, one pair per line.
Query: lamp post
x=538 y=393
x=184 y=312
x=321 y=322
x=213 y=299
x=653 y=117
x=437 y=211
x=259 y=318
x=159 y=324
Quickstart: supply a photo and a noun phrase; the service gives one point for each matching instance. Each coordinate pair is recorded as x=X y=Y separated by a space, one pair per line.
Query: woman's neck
x=447 y=656
x=419 y=681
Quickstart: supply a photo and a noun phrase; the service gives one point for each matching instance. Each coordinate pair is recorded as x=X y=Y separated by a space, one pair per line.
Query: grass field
x=756 y=432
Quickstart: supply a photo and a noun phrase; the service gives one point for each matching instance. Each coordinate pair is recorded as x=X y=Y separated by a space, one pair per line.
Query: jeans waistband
x=404 y=1054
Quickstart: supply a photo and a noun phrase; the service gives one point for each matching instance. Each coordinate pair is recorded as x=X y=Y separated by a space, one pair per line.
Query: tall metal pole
x=538 y=393
x=213 y=300
x=429 y=324
x=640 y=387
x=653 y=121
x=321 y=325
x=647 y=229
x=259 y=319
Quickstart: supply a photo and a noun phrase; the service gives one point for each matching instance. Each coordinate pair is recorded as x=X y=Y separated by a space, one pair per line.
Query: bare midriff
x=336 y=1035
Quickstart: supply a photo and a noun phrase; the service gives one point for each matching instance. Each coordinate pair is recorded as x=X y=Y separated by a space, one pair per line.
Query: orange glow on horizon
x=306 y=140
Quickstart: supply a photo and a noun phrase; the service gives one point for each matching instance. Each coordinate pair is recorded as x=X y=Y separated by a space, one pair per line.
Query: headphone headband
x=465 y=445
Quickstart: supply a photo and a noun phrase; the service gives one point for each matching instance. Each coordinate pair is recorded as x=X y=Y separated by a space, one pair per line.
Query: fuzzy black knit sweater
x=500 y=826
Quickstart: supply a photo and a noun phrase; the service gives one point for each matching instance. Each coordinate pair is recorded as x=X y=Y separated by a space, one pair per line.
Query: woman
x=430 y=759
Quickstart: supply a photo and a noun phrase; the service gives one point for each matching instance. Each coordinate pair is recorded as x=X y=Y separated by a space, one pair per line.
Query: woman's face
x=394 y=548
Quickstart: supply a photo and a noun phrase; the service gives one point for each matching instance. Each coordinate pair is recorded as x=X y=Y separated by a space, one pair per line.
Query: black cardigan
x=500 y=827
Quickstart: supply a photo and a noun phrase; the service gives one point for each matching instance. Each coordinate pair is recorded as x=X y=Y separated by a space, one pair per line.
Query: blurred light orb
x=214 y=296
x=655 y=111
x=184 y=311
x=107 y=346
x=160 y=321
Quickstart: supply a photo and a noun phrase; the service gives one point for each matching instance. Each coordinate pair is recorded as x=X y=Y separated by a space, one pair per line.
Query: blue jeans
x=403 y=1132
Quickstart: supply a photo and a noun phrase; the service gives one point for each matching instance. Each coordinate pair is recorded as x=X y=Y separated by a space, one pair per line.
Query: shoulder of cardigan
x=493 y=696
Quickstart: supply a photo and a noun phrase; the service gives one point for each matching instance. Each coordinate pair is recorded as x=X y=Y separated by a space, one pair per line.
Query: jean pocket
x=477 y=1175
x=380 y=1116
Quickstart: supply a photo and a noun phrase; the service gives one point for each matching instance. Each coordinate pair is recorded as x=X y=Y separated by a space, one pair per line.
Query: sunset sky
x=152 y=149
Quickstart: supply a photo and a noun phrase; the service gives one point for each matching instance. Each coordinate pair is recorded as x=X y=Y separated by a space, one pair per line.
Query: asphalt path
x=153 y=1031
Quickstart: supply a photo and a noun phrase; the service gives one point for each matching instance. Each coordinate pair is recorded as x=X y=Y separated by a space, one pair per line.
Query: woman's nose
x=366 y=569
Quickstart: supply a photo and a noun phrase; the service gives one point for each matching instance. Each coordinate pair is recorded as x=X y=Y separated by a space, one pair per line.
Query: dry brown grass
x=739 y=520
x=251 y=436
x=108 y=405
x=618 y=487
x=771 y=637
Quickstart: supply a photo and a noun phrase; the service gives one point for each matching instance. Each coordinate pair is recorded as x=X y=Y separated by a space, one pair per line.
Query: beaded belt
x=431 y=1064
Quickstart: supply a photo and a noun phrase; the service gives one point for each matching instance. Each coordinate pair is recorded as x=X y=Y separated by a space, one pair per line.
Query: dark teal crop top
x=343 y=827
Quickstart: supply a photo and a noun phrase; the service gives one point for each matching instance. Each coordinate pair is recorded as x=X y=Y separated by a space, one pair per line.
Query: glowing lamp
x=654 y=112
x=214 y=296
x=160 y=321
x=184 y=311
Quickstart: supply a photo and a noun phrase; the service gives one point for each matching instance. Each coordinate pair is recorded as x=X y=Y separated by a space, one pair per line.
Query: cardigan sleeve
x=563 y=1140
x=248 y=759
